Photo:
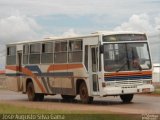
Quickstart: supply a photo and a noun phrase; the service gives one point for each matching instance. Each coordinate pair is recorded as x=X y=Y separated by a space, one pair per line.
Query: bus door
x=93 y=58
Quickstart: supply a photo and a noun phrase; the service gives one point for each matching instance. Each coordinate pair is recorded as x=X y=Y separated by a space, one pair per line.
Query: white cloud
x=137 y=23
x=142 y=23
x=70 y=33
x=157 y=21
x=16 y=28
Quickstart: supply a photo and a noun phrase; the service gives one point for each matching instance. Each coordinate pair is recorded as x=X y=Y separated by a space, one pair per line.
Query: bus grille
x=128 y=83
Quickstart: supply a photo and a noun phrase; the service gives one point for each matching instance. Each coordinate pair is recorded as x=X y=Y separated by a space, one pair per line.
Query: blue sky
x=34 y=19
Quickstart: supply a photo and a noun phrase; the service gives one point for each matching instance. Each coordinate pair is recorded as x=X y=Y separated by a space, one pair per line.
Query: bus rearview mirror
x=102 y=49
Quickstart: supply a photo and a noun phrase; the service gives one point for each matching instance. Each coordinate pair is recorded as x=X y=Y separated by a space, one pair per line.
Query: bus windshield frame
x=132 y=56
x=124 y=37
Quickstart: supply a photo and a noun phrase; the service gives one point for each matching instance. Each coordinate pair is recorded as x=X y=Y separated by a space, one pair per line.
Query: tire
x=32 y=96
x=126 y=98
x=68 y=97
x=83 y=91
x=40 y=96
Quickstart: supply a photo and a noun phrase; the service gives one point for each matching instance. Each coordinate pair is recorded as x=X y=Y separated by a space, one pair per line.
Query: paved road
x=141 y=104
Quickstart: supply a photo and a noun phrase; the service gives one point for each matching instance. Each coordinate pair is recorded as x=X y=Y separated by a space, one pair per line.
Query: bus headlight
x=104 y=84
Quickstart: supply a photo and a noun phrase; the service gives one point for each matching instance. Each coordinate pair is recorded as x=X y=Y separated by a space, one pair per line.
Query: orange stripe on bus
x=74 y=66
x=29 y=73
x=128 y=73
x=64 y=67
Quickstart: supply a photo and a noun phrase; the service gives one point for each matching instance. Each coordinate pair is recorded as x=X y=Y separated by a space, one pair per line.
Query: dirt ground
x=141 y=104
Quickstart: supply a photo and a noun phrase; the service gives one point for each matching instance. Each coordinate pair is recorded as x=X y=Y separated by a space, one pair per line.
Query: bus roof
x=98 y=33
x=117 y=32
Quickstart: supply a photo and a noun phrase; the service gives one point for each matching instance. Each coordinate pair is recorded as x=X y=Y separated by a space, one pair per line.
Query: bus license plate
x=146 y=90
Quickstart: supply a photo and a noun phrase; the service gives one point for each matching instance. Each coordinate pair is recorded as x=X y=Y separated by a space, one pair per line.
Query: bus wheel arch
x=78 y=83
x=27 y=81
x=83 y=92
x=32 y=95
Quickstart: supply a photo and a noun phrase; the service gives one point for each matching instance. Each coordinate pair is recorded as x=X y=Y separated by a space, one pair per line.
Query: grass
x=68 y=115
x=11 y=109
x=157 y=91
x=2 y=88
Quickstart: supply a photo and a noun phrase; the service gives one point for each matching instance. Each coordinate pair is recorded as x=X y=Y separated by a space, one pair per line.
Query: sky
x=22 y=20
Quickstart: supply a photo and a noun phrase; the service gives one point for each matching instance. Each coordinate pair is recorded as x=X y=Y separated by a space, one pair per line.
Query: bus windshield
x=126 y=57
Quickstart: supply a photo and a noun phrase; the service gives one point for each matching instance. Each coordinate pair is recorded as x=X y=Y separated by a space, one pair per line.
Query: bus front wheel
x=32 y=96
x=85 y=98
x=127 y=98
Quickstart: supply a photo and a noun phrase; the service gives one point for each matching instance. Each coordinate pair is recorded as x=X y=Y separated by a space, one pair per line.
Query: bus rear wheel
x=127 y=98
x=32 y=96
x=40 y=96
x=68 y=97
x=85 y=98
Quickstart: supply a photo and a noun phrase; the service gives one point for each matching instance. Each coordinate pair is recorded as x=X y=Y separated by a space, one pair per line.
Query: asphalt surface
x=141 y=104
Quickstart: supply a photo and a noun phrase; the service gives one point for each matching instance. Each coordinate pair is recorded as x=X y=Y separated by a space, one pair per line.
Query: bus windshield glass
x=126 y=57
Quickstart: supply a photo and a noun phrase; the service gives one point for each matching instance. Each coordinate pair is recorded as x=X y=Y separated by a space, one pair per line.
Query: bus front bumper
x=110 y=90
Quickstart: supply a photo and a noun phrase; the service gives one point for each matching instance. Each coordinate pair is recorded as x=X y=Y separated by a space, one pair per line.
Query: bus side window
x=75 y=51
x=34 y=57
x=11 y=55
x=57 y=47
x=47 y=52
x=60 y=55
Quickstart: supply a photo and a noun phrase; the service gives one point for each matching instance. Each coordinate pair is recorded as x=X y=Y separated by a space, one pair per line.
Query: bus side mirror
x=101 y=49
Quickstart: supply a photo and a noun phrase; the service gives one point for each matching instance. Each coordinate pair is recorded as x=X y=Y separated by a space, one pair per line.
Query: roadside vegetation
x=157 y=90
x=69 y=115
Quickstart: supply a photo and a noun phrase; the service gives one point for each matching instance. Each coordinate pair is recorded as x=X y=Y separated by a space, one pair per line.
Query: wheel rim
x=84 y=93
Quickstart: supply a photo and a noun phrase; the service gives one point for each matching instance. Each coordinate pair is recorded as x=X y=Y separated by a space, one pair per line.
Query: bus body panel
x=13 y=81
x=54 y=79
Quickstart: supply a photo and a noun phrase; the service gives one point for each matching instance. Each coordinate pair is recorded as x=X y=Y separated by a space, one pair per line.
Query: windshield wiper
x=138 y=66
x=121 y=67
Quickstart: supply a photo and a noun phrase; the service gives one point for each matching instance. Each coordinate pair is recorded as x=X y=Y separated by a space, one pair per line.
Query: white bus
x=101 y=64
